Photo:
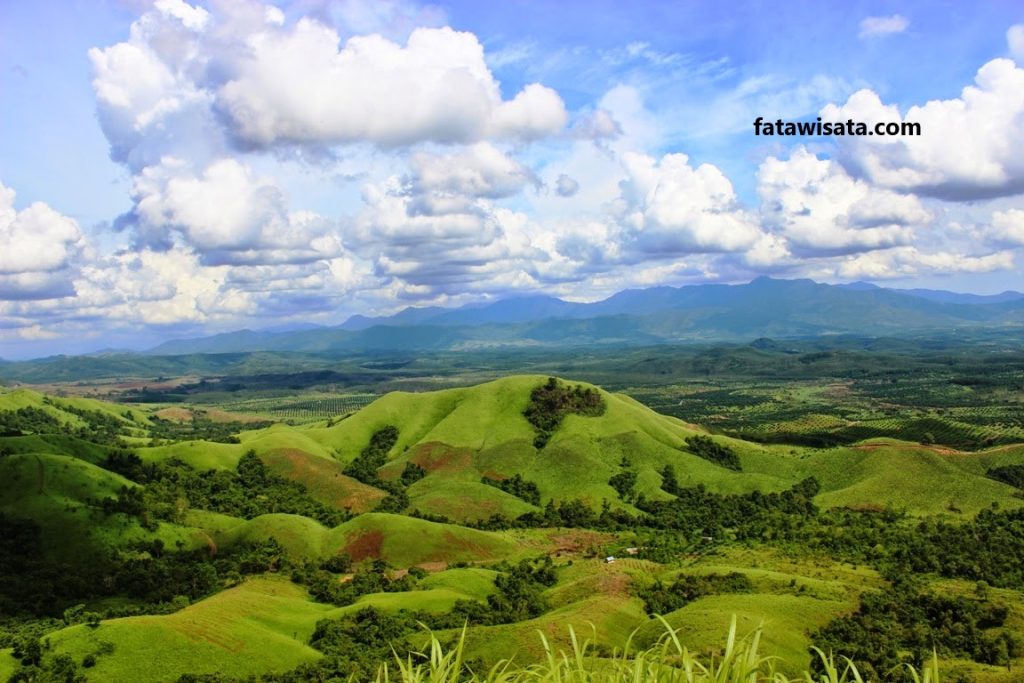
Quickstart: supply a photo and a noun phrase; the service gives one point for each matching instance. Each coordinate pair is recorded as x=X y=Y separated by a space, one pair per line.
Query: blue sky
x=172 y=169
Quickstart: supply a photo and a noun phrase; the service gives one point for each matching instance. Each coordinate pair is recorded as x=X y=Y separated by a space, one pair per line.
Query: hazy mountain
x=942 y=295
x=958 y=298
x=762 y=308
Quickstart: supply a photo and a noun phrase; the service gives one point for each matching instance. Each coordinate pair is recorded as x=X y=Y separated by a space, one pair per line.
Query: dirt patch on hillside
x=941 y=450
x=435 y=456
x=366 y=546
x=614 y=584
x=218 y=415
x=578 y=541
x=324 y=479
x=174 y=414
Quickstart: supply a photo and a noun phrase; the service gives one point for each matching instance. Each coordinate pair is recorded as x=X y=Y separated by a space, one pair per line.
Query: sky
x=171 y=169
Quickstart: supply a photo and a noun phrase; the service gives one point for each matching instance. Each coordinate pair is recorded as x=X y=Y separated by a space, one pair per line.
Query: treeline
x=661 y=598
x=989 y=548
x=365 y=465
x=170 y=488
x=36 y=583
x=28 y=420
x=517 y=486
x=99 y=427
x=1008 y=474
x=712 y=451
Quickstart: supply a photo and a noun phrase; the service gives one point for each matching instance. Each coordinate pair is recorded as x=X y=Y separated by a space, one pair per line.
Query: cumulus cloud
x=241 y=73
x=903 y=262
x=1007 y=228
x=968 y=147
x=1015 y=41
x=668 y=208
x=597 y=125
x=480 y=170
x=566 y=186
x=465 y=244
x=821 y=210
x=228 y=214
x=38 y=245
x=873 y=27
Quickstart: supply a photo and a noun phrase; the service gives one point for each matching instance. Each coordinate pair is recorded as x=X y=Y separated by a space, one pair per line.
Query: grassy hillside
x=61 y=408
x=400 y=541
x=323 y=478
x=260 y=626
x=461 y=435
x=59 y=493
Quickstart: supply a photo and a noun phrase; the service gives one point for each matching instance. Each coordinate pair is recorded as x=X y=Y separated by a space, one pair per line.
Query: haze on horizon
x=171 y=169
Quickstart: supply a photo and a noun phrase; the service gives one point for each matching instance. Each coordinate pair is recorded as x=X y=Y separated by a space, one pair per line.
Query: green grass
x=472 y=582
x=786 y=619
x=8 y=664
x=740 y=661
x=201 y=455
x=914 y=478
x=55 y=491
x=400 y=541
x=324 y=479
x=610 y=620
x=435 y=601
x=260 y=626
x=405 y=541
x=464 y=500
x=14 y=399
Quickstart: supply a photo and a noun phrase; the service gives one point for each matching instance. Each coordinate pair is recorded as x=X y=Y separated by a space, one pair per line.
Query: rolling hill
x=452 y=440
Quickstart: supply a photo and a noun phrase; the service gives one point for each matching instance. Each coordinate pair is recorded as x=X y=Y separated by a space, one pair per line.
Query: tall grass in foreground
x=667 y=662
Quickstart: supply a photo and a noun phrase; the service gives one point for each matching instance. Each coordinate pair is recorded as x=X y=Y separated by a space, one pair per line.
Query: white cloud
x=906 y=262
x=1007 y=229
x=189 y=78
x=37 y=245
x=872 y=27
x=668 y=208
x=821 y=210
x=148 y=96
x=228 y=215
x=968 y=147
x=466 y=244
x=1015 y=41
x=480 y=170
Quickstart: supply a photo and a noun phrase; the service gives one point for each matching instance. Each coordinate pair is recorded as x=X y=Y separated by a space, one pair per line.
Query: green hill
x=60 y=493
x=461 y=435
x=260 y=626
x=400 y=541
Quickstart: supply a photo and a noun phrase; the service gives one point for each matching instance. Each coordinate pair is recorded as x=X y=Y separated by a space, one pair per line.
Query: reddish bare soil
x=366 y=546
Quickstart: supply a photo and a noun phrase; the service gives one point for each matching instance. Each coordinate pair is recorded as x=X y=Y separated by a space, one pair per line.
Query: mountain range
x=765 y=307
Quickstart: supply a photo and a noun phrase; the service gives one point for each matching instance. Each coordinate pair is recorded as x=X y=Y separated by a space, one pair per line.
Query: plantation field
x=310 y=407
x=925 y=408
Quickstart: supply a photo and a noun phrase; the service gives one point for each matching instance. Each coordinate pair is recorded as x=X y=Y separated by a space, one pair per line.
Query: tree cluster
x=517 y=486
x=552 y=401
x=712 y=451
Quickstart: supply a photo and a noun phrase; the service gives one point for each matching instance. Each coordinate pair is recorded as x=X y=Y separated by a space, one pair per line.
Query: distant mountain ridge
x=765 y=307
